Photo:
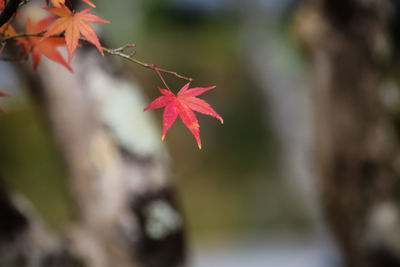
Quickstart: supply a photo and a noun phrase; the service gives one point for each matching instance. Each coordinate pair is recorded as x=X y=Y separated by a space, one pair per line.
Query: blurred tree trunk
x=127 y=212
x=128 y=215
x=355 y=146
x=286 y=96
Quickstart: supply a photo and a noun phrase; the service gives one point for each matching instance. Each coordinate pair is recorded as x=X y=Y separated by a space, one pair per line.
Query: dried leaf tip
x=89 y=3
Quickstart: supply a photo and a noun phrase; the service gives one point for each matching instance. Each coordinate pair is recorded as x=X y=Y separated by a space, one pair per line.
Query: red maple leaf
x=183 y=105
x=74 y=24
x=39 y=46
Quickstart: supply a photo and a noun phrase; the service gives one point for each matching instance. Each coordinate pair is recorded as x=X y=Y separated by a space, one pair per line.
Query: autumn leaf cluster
x=66 y=27
x=63 y=27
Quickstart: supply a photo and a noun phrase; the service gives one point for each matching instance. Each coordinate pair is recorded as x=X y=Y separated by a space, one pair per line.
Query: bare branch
x=119 y=52
x=23 y=34
x=112 y=51
x=9 y=11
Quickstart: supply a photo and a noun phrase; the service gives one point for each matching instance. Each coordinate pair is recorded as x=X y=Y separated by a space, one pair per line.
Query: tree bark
x=24 y=239
x=354 y=147
x=128 y=214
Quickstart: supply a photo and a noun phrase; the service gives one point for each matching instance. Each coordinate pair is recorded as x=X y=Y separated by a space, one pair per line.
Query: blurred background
x=252 y=195
x=235 y=193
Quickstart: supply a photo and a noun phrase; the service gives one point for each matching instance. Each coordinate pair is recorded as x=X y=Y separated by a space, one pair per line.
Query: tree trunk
x=354 y=147
x=25 y=241
x=118 y=171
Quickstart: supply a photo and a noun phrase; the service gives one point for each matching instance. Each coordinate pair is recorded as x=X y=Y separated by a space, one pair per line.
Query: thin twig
x=23 y=34
x=11 y=59
x=159 y=75
x=9 y=10
x=24 y=2
x=3 y=45
x=116 y=52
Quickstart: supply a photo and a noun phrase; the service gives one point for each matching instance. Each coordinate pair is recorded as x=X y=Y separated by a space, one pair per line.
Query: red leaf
x=39 y=46
x=2 y=4
x=182 y=104
x=74 y=24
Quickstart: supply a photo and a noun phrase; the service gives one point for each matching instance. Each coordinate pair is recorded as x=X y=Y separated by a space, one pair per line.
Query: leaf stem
x=161 y=77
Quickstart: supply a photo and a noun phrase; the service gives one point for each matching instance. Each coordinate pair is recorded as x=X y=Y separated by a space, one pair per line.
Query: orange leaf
x=74 y=24
x=183 y=105
x=39 y=46
x=9 y=30
x=57 y=3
